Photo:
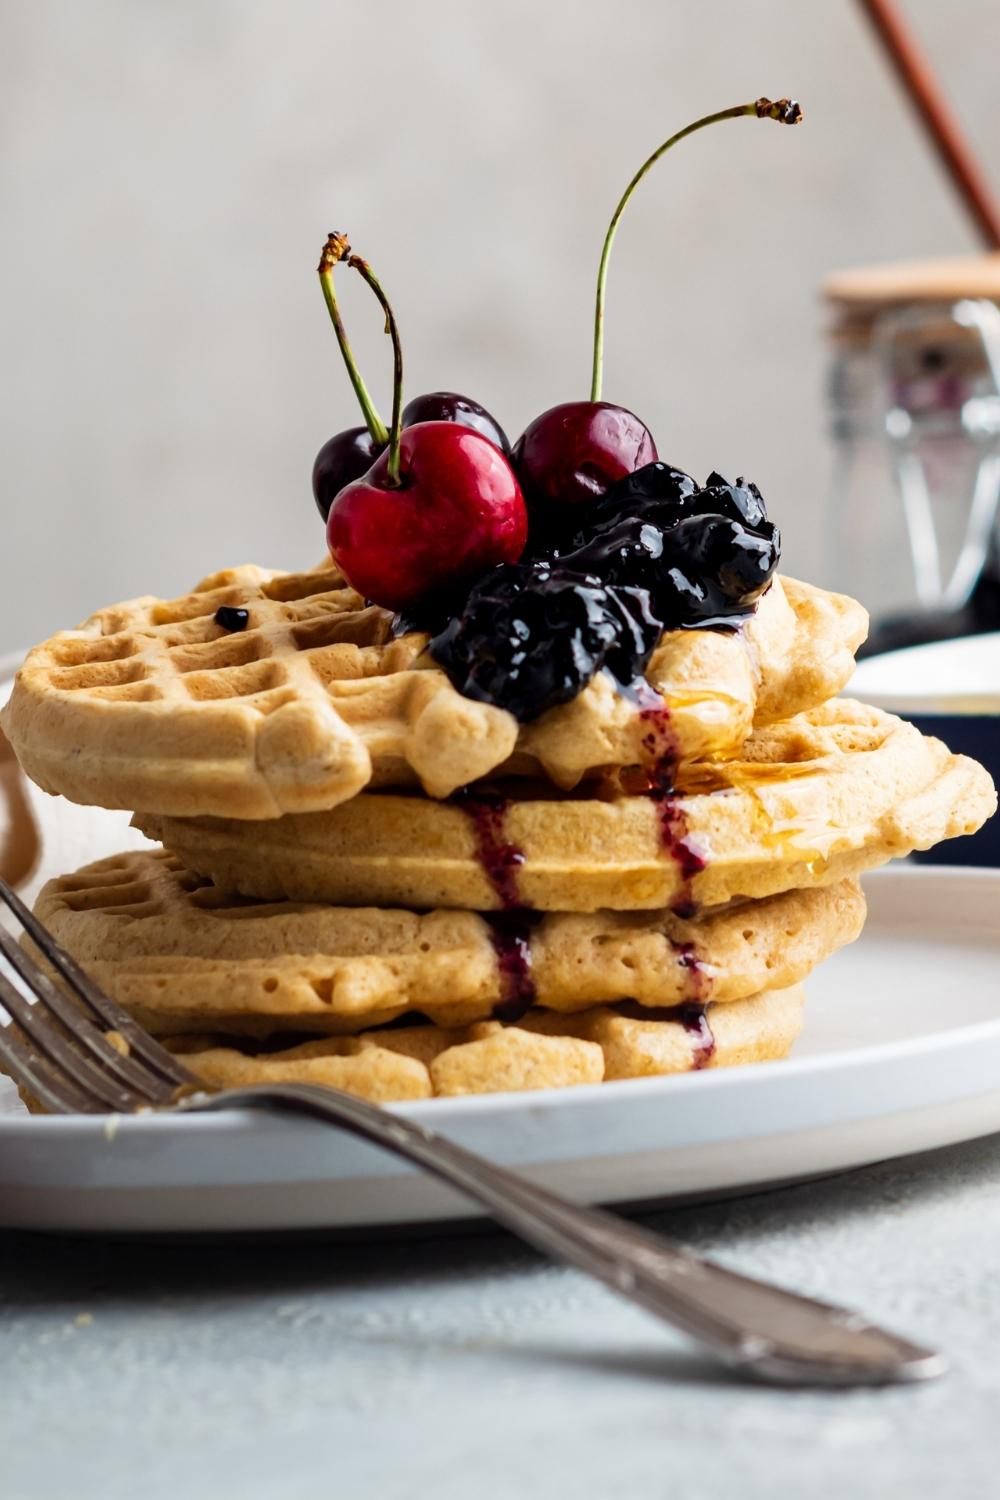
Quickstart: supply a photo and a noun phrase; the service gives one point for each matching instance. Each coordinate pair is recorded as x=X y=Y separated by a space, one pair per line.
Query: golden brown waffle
x=183 y=957
x=151 y=705
x=541 y=1051
x=823 y=796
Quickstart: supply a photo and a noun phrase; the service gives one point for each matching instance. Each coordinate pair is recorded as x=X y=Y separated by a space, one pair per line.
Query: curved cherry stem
x=365 y=270
x=785 y=111
x=334 y=250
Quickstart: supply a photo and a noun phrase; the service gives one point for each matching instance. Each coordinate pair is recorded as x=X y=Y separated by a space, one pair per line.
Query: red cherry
x=456 y=511
x=572 y=453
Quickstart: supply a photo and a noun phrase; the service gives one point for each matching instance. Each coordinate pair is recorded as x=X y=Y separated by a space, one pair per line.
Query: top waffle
x=151 y=705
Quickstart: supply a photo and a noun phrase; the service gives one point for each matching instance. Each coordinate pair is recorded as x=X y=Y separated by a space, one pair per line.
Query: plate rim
x=937 y=701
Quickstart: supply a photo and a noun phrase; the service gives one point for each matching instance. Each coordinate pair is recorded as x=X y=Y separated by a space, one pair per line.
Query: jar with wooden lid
x=914 y=400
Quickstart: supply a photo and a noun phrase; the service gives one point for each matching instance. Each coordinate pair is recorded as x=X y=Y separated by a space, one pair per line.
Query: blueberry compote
x=656 y=552
x=231 y=618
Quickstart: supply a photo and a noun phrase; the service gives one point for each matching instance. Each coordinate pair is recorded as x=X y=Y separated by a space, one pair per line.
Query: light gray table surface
x=466 y=1367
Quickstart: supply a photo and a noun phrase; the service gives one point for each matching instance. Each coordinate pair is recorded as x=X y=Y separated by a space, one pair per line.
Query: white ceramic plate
x=901 y=1052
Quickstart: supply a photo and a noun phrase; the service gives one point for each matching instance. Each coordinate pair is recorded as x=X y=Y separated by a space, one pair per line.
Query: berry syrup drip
x=659 y=743
x=511 y=935
x=659 y=747
x=510 y=930
x=690 y=1014
x=695 y=971
x=694 y=1019
x=676 y=842
x=499 y=859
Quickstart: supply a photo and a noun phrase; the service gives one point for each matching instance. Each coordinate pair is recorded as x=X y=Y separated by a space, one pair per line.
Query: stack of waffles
x=366 y=879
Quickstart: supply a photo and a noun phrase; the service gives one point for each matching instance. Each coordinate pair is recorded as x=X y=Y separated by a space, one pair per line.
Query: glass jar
x=912 y=516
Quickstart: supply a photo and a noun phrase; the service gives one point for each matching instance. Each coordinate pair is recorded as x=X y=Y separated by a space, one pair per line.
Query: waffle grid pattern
x=300 y=625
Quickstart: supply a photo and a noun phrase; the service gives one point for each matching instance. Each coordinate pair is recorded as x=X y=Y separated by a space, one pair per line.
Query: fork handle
x=761 y=1329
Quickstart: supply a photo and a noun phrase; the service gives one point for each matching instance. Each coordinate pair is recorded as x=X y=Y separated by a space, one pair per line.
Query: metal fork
x=86 y=1055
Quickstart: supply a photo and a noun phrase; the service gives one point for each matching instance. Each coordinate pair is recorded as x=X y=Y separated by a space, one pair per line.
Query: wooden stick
x=946 y=135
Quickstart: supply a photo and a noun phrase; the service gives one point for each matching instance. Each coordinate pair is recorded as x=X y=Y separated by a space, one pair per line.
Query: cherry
x=343 y=458
x=446 y=406
x=572 y=453
x=455 y=511
x=348 y=455
x=437 y=509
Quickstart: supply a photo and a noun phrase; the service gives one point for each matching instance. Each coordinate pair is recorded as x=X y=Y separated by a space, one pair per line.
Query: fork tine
x=141 y=1044
x=62 y=1055
x=120 y=1080
x=52 y=1090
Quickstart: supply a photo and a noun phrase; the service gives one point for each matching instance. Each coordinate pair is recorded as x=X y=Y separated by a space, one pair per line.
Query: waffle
x=819 y=798
x=151 y=705
x=542 y=1051
x=182 y=957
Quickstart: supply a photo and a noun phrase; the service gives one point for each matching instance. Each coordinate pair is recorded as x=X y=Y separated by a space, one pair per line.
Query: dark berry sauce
x=511 y=935
x=231 y=618
x=510 y=930
x=694 y=1018
x=691 y=1014
x=677 y=843
x=498 y=858
x=660 y=750
x=696 y=972
x=655 y=552
x=661 y=757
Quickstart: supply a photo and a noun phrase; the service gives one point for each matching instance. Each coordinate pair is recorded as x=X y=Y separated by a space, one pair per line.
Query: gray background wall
x=168 y=172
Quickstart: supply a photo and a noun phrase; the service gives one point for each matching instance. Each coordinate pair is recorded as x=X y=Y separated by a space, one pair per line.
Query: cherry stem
x=785 y=111
x=334 y=250
x=365 y=270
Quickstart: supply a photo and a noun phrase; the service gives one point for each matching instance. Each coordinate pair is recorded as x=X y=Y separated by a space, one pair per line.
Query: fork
x=86 y=1055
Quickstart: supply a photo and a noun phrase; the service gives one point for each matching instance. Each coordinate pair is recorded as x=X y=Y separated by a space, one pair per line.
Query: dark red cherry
x=447 y=406
x=572 y=453
x=436 y=510
x=453 y=510
x=339 y=462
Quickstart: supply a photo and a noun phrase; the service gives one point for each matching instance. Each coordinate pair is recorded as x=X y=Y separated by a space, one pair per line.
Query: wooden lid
x=857 y=297
x=941 y=279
